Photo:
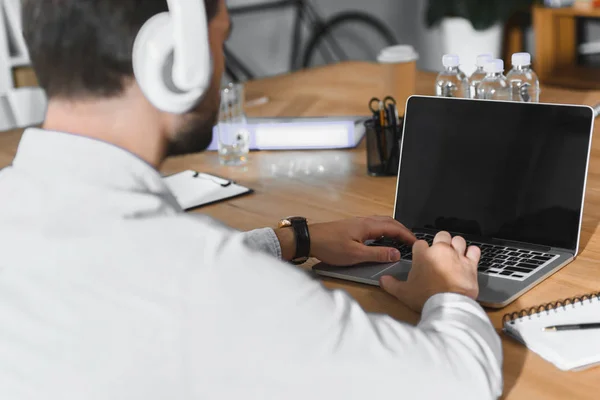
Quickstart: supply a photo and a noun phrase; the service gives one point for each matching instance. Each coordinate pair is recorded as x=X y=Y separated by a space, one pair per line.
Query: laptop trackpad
x=398 y=270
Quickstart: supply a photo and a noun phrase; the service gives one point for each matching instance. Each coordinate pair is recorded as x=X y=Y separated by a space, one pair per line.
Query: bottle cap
x=450 y=60
x=483 y=59
x=521 y=59
x=494 y=66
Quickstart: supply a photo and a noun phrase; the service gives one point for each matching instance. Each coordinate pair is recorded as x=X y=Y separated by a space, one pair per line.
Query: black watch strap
x=300 y=227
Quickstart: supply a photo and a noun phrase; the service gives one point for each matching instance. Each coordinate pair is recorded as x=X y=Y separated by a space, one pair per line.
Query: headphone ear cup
x=153 y=53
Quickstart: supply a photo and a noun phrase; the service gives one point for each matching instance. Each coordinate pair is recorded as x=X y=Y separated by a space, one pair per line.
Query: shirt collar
x=93 y=161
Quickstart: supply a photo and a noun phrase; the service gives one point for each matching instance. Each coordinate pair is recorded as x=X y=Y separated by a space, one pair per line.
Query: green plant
x=482 y=14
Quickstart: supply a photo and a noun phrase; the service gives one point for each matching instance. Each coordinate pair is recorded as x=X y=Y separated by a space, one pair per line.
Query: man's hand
x=342 y=242
x=445 y=267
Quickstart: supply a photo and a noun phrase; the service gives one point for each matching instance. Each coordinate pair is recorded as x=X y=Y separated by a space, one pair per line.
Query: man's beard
x=196 y=131
x=194 y=137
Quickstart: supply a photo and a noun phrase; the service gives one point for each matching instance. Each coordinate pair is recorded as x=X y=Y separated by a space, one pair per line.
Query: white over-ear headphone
x=171 y=57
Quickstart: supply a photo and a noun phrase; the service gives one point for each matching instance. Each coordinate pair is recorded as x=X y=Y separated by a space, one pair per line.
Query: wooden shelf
x=556 y=48
x=575 y=12
x=575 y=77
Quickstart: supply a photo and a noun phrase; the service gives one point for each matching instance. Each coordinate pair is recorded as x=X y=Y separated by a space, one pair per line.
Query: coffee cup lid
x=398 y=54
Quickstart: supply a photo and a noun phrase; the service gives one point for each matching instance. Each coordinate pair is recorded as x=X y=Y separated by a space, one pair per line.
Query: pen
x=392 y=117
x=381 y=114
x=574 y=327
x=384 y=122
x=377 y=137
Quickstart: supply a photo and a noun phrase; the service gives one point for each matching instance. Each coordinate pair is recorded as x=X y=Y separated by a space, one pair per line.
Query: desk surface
x=329 y=185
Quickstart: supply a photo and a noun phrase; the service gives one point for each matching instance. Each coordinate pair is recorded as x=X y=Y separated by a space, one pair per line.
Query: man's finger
x=377 y=227
x=419 y=251
x=459 y=244
x=443 y=237
x=419 y=247
x=474 y=254
x=396 y=288
x=363 y=253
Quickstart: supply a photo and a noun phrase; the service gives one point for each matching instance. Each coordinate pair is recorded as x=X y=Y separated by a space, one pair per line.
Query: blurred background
x=273 y=37
x=264 y=41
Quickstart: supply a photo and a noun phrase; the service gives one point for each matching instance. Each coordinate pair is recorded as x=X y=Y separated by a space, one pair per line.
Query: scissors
x=385 y=109
x=381 y=104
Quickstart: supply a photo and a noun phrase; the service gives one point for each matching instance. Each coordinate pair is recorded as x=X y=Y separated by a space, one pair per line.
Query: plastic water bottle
x=451 y=82
x=479 y=74
x=524 y=83
x=495 y=85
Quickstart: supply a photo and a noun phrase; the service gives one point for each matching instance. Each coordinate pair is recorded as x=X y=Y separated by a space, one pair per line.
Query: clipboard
x=195 y=189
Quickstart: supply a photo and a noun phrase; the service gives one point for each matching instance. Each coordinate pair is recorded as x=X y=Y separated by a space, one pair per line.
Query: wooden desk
x=328 y=185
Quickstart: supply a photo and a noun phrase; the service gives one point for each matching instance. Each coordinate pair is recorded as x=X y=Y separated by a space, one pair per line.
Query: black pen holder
x=383 y=148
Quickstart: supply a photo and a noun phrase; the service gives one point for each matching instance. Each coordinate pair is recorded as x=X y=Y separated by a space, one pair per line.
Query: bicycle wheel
x=341 y=38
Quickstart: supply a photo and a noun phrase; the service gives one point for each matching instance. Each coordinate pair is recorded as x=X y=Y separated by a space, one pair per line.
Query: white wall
x=264 y=41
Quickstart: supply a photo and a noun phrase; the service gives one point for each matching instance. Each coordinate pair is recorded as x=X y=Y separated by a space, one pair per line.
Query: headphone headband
x=191 y=36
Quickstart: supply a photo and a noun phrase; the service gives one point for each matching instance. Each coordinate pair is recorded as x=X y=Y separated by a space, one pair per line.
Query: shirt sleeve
x=263 y=240
x=260 y=328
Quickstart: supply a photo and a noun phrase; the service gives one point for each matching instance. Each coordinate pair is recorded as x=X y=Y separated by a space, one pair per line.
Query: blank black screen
x=494 y=169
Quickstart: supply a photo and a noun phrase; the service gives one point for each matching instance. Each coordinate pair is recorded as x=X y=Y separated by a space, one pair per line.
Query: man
x=109 y=291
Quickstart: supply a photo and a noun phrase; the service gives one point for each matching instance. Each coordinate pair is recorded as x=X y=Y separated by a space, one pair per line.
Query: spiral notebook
x=567 y=350
x=194 y=189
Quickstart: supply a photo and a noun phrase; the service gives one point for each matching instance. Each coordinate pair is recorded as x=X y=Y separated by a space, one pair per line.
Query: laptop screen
x=500 y=170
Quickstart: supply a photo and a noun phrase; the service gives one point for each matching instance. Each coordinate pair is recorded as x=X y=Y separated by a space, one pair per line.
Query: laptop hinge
x=561 y=250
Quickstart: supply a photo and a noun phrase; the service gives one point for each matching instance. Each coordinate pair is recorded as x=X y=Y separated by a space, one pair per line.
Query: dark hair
x=82 y=48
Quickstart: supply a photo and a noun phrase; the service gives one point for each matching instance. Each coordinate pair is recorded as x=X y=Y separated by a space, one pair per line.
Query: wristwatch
x=300 y=227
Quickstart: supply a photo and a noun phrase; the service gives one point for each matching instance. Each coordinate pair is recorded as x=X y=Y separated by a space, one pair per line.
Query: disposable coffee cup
x=399 y=73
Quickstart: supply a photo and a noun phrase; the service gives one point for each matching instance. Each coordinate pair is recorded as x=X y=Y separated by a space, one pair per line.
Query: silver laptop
x=508 y=177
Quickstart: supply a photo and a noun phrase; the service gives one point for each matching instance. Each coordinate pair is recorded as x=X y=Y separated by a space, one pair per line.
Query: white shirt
x=109 y=291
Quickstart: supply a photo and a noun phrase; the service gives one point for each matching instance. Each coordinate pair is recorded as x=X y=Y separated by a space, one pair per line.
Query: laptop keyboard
x=498 y=261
